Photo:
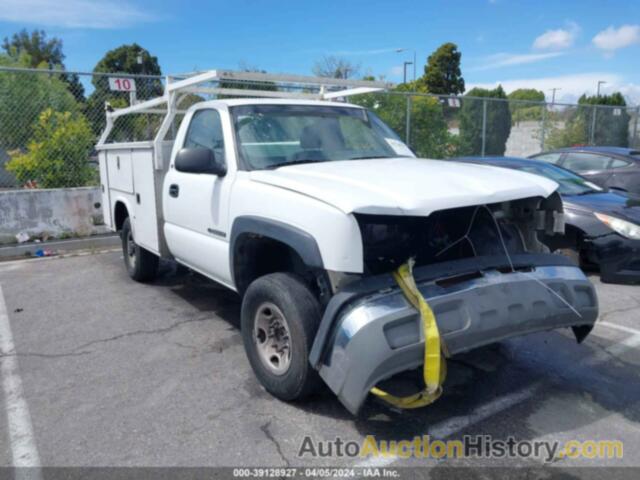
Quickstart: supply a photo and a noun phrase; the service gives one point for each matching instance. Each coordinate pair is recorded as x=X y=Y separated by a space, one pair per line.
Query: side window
x=553 y=158
x=205 y=131
x=585 y=162
x=619 y=163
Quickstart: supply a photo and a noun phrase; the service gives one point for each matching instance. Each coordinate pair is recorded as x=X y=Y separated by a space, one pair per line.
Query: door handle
x=174 y=191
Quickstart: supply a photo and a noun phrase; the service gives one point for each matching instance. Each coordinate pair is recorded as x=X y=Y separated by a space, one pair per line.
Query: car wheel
x=280 y=317
x=142 y=265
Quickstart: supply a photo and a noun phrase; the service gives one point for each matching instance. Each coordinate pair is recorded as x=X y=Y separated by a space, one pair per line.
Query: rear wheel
x=142 y=265
x=280 y=317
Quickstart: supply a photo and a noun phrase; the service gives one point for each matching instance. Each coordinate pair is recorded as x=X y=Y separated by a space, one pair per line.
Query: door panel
x=590 y=165
x=196 y=204
x=626 y=175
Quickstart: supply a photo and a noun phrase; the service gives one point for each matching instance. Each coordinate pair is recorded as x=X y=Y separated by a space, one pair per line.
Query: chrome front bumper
x=372 y=335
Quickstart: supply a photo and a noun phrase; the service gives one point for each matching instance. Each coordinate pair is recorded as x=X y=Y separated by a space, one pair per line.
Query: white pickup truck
x=304 y=206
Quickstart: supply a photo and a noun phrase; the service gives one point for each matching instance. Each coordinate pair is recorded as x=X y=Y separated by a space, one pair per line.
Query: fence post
x=407 y=133
x=635 y=128
x=484 y=126
x=593 y=125
x=544 y=126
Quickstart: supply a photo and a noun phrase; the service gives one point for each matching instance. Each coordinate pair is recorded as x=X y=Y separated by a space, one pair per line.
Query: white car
x=304 y=208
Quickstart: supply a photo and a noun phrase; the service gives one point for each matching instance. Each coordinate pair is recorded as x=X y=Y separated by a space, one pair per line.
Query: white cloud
x=73 y=13
x=571 y=86
x=559 y=39
x=500 y=60
x=614 y=38
x=396 y=71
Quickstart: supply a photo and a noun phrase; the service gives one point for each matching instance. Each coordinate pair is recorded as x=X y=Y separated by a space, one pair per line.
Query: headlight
x=624 y=228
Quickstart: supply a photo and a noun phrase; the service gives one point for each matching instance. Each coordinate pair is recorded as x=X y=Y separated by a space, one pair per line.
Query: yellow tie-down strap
x=435 y=368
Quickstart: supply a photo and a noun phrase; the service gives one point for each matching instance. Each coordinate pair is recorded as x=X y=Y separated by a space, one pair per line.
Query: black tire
x=142 y=265
x=302 y=316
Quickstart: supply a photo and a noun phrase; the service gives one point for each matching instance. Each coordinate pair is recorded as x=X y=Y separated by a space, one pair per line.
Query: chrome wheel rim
x=272 y=338
x=131 y=250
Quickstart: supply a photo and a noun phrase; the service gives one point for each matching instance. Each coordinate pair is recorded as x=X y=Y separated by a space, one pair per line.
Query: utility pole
x=553 y=95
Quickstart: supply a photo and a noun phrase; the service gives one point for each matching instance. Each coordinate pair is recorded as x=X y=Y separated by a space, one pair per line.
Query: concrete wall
x=56 y=213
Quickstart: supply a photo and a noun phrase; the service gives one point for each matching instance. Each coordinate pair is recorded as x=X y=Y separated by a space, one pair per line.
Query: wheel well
x=120 y=214
x=256 y=255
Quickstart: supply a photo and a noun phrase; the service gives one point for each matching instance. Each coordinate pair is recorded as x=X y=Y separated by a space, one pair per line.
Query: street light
x=400 y=50
x=404 y=68
x=600 y=82
x=553 y=94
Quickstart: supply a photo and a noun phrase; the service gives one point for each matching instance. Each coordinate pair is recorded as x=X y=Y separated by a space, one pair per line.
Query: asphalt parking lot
x=116 y=373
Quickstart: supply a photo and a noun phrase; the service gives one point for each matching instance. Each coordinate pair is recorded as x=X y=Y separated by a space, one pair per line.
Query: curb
x=28 y=250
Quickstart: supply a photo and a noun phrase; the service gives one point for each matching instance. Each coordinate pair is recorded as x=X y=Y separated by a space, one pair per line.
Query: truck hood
x=405 y=186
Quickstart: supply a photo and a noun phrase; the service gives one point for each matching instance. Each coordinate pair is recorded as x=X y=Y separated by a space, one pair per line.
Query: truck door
x=196 y=204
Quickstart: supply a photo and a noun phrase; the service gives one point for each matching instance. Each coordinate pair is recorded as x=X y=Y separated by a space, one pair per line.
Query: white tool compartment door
x=120 y=171
x=145 y=212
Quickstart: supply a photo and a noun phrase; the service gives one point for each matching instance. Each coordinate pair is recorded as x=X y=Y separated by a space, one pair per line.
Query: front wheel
x=280 y=317
x=142 y=265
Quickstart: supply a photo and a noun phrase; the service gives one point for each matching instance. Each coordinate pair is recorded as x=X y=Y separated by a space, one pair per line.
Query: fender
x=121 y=199
x=299 y=240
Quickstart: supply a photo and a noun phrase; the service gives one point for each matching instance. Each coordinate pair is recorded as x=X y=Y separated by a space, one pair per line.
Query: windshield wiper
x=295 y=162
x=369 y=157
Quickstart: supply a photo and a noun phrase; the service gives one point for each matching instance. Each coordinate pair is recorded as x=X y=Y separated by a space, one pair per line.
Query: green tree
x=35 y=50
x=24 y=97
x=429 y=136
x=498 y=126
x=442 y=74
x=521 y=110
x=611 y=124
x=58 y=154
x=131 y=59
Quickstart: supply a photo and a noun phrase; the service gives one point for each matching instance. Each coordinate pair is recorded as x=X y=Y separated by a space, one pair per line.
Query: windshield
x=569 y=183
x=271 y=136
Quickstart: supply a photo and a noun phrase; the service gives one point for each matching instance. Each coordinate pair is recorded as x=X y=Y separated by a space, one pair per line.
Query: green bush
x=23 y=97
x=498 y=125
x=429 y=136
x=610 y=129
x=521 y=109
x=58 y=154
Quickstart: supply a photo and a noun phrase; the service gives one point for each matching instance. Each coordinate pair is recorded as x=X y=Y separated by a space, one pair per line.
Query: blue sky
x=542 y=44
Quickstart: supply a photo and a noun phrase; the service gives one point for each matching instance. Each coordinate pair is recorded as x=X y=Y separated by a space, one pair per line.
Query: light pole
x=553 y=95
x=400 y=50
x=600 y=82
x=404 y=68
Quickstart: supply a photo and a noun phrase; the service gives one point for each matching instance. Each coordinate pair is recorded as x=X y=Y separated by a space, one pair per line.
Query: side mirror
x=199 y=160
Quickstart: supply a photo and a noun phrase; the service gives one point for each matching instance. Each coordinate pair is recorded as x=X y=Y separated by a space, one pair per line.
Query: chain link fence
x=51 y=120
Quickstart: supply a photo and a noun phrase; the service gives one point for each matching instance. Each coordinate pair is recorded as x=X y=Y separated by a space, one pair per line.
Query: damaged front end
x=484 y=270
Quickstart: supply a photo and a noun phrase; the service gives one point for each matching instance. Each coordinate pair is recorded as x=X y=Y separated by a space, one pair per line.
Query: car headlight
x=624 y=228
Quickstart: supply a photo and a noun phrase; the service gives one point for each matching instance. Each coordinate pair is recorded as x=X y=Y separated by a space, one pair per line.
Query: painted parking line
x=21 y=438
x=619 y=347
x=622 y=328
x=451 y=426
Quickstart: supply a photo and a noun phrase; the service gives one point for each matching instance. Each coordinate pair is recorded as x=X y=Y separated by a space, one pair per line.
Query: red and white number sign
x=120 y=84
